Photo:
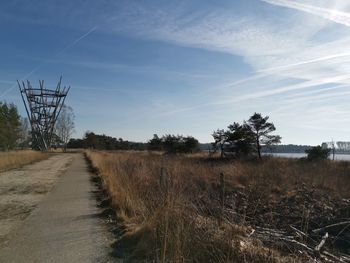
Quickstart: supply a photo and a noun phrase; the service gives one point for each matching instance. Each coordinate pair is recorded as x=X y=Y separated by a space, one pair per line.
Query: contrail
x=330 y=14
x=76 y=41
x=270 y=92
x=301 y=63
x=70 y=45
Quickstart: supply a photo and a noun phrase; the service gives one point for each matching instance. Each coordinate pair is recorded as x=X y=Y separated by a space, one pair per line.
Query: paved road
x=64 y=227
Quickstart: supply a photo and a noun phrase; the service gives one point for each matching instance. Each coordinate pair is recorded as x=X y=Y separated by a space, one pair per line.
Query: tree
x=220 y=137
x=75 y=144
x=237 y=139
x=191 y=144
x=318 y=153
x=9 y=126
x=262 y=128
x=90 y=140
x=240 y=139
x=65 y=125
x=173 y=144
x=155 y=144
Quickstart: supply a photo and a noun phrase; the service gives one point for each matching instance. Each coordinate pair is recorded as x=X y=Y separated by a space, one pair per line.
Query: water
x=339 y=157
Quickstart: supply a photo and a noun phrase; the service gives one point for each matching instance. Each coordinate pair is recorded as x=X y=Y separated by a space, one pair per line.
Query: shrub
x=317 y=153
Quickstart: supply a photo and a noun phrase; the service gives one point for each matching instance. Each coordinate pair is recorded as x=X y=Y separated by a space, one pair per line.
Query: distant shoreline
x=337 y=156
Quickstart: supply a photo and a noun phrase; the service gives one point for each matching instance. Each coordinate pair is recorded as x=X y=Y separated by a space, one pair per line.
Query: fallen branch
x=330 y=226
x=334 y=257
x=273 y=235
x=298 y=231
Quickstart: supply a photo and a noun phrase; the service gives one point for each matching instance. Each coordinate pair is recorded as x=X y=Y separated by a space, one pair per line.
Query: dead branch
x=323 y=241
x=274 y=235
x=330 y=226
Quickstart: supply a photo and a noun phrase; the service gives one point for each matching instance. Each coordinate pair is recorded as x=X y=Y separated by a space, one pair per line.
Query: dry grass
x=15 y=159
x=179 y=219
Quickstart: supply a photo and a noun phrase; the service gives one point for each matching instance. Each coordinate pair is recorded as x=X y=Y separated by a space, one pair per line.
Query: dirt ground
x=23 y=188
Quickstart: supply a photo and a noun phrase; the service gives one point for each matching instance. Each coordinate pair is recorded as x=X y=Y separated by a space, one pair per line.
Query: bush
x=317 y=153
x=173 y=144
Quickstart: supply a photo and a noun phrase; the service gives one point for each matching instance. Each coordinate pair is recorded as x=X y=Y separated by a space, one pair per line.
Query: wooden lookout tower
x=43 y=107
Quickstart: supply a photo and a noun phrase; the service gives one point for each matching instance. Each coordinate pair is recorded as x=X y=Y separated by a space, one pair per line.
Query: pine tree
x=261 y=128
x=10 y=126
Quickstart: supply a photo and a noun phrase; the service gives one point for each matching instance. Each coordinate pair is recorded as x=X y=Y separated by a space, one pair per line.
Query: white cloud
x=264 y=44
x=289 y=48
x=326 y=13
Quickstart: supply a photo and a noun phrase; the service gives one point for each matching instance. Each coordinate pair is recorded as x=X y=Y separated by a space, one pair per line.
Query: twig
x=340 y=233
x=251 y=233
x=323 y=241
x=298 y=231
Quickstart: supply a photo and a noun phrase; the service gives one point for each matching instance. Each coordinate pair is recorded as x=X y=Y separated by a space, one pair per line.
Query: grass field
x=175 y=209
x=14 y=159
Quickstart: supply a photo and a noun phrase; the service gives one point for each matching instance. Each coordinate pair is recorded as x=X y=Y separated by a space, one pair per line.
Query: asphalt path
x=65 y=226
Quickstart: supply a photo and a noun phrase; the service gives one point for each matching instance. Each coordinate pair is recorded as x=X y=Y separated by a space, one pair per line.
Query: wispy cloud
x=280 y=51
x=326 y=13
x=299 y=53
x=305 y=62
x=119 y=67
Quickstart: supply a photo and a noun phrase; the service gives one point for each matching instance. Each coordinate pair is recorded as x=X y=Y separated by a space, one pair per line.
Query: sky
x=137 y=68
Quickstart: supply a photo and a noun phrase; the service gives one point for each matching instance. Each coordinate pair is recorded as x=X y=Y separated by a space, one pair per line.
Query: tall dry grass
x=170 y=205
x=15 y=159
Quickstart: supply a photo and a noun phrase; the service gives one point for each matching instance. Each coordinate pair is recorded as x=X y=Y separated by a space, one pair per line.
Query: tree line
x=15 y=132
x=167 y=143
x=240 y=140
x=251 y=137
x=254 y=136
x=103 y=142
x=339 y=146
x=286 y=148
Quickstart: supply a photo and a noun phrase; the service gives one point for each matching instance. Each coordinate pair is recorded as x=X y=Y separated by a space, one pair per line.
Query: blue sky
x=185 y=67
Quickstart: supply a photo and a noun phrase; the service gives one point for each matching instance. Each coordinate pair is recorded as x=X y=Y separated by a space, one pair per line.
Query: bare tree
x=65 y=125
x=25 y=133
